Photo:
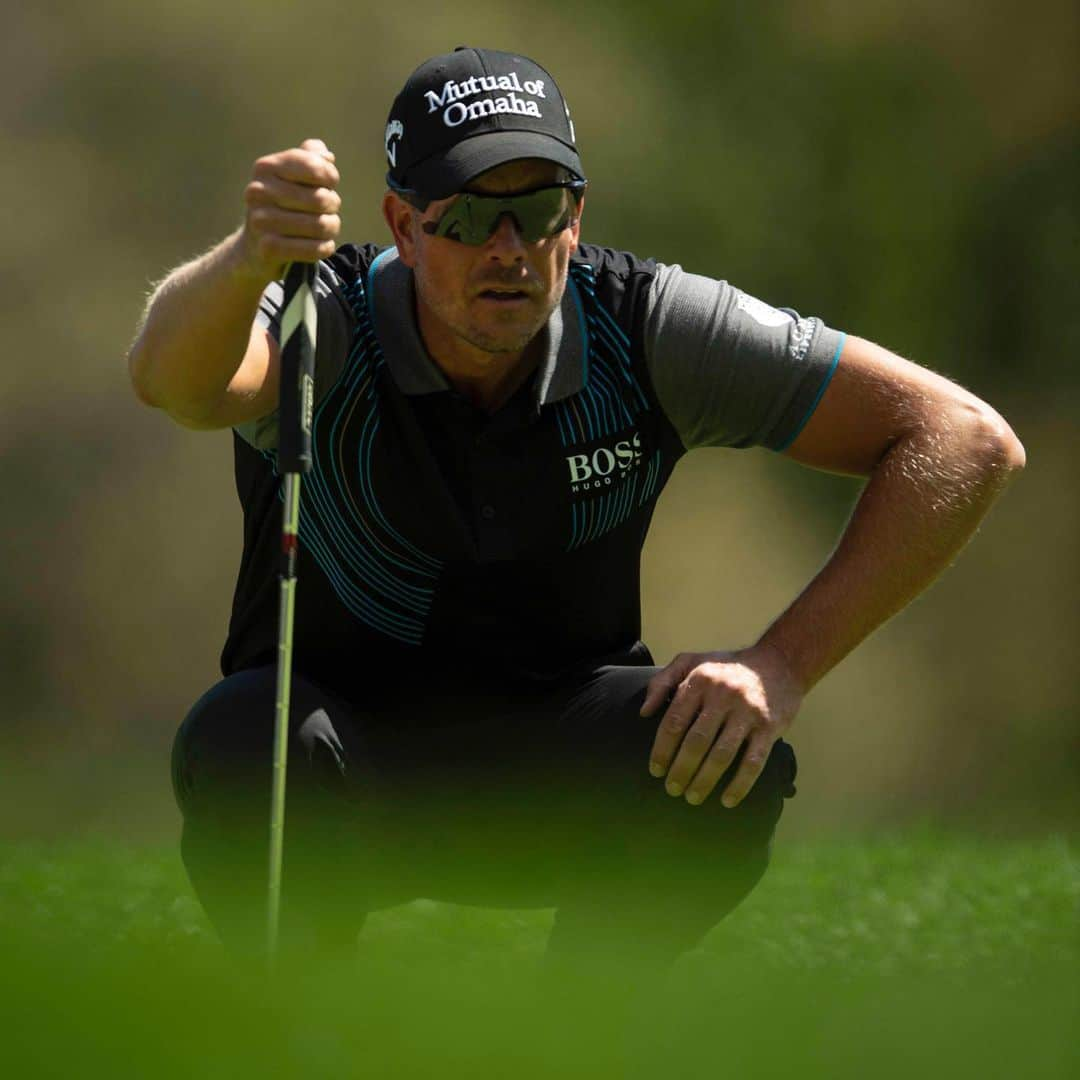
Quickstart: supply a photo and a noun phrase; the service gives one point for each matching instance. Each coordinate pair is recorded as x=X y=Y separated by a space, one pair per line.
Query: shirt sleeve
x=730 y=370
x=331 y=346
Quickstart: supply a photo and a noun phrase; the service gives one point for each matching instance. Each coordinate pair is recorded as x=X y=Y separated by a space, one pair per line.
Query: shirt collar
x=391 y=299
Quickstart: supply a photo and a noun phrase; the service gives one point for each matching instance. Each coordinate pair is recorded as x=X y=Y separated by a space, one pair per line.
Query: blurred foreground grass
x=918 y=953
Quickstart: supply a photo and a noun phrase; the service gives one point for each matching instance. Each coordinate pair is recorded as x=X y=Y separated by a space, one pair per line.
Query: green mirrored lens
x=537 y=214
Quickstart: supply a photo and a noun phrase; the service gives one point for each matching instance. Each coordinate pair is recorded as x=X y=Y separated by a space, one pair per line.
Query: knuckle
x=286 y=163
x=673 y=724
x=261 y=219
x=722 y=751
x=725 y=685
x=715 y=678
x=756 y=710
x=328 y=202
x=696 y=737
x=265 y=247
x=719 y=764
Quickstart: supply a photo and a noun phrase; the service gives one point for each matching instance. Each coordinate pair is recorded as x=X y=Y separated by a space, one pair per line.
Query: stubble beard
x=512 y=338
x=497 y=343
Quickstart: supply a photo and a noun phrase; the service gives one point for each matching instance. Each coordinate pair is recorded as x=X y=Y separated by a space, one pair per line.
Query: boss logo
x=605 y=464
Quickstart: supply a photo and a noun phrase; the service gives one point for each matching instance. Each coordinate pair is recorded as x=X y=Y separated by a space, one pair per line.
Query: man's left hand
x=718 y=701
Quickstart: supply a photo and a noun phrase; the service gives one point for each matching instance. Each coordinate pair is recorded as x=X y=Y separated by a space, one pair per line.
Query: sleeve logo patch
x=761 y=312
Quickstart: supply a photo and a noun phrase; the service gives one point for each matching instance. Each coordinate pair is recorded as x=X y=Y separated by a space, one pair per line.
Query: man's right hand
x=200 y=355
x=292 y=210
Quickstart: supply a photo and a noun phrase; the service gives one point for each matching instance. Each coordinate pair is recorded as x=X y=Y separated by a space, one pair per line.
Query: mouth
x=504 y=296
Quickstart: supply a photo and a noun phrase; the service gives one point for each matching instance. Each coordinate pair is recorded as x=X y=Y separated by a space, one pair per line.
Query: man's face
x=495 y=296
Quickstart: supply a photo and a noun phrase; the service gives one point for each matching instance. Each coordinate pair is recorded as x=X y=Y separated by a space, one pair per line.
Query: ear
x=402 y=219
x=575 y=229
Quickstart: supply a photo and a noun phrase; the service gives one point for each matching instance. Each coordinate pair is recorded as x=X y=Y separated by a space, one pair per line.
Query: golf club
x=296 y=402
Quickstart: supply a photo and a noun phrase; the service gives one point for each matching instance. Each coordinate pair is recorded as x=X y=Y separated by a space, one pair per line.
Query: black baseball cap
x=465 y=112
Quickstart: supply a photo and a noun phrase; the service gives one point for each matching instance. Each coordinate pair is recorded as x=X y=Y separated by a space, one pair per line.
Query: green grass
x=916 y=953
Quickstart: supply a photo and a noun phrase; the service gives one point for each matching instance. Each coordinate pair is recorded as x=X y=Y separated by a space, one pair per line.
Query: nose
x=505 y=244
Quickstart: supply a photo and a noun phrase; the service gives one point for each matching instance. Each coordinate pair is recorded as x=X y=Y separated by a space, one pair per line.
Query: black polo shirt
x=433 y=533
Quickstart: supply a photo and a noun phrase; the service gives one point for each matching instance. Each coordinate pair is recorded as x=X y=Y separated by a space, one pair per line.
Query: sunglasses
x=471 y=218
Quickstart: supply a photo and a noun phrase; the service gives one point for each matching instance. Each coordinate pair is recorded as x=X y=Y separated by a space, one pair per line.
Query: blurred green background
x=906 y=170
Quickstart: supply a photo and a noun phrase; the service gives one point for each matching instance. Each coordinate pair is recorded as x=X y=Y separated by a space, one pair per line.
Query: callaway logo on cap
x=461 y=114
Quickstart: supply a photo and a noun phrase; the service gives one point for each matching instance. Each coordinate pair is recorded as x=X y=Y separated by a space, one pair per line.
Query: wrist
x=243 y=265
x=776 y=655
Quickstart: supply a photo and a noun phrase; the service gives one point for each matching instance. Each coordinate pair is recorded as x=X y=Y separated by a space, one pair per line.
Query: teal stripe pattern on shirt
x=381 y=577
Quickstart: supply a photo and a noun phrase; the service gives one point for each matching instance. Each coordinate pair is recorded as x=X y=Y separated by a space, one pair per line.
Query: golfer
x=498 y=406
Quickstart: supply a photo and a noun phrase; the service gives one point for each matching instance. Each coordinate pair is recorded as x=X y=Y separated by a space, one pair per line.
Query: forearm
x=195 y=331
x=920 y=506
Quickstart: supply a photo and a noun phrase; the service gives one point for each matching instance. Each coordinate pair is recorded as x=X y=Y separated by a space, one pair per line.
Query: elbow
x=992 y=440
x=141 y=372
x=138 y=364
x=1015 y=454
x=1004 y=449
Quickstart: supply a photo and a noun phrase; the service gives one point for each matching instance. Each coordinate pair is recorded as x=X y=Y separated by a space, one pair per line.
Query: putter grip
x=296 y=399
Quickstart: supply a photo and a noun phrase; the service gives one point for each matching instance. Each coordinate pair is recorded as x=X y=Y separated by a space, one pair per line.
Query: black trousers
x=508 y=795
